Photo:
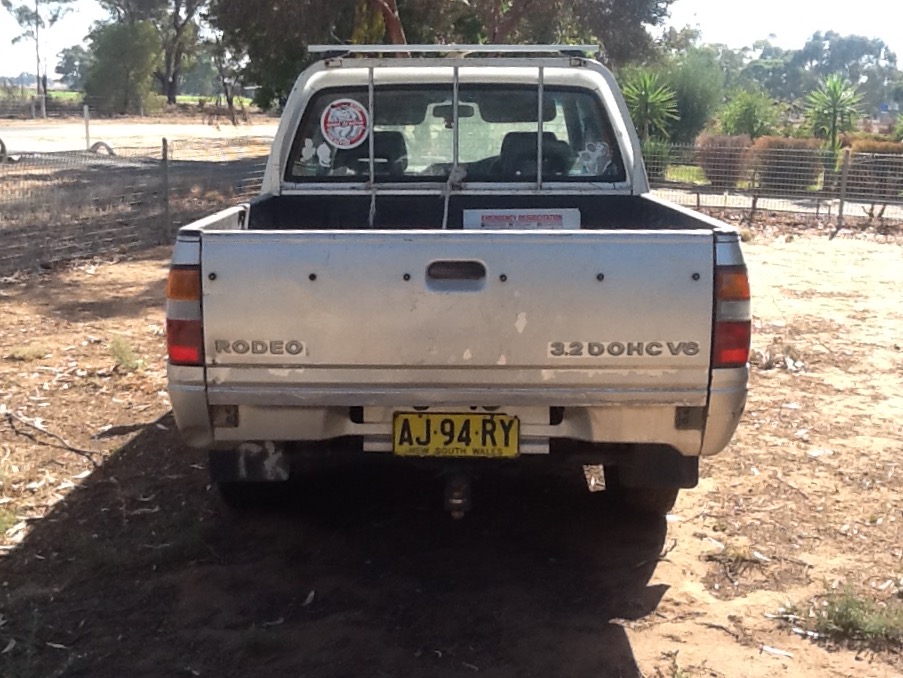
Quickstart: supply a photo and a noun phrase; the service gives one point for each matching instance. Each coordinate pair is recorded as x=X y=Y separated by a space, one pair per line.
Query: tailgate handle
x=456 y=270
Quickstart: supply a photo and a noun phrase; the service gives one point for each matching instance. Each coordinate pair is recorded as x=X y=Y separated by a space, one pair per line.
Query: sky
x=791 y=22
x=787 y=23
x=70 y=30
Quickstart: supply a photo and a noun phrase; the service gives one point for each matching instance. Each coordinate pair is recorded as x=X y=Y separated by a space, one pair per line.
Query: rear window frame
x=617 y=157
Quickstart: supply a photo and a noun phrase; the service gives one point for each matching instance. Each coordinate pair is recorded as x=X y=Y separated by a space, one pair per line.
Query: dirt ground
x=118 y=558
x=47 y=136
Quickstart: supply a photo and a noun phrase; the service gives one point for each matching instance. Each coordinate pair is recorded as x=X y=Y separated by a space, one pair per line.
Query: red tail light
x=732 y=340
x=185 y=342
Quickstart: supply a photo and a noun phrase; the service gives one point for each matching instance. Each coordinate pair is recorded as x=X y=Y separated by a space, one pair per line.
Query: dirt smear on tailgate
x=118 y=558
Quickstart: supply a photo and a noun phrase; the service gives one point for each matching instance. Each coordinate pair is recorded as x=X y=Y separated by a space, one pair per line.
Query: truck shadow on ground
x=141 y=571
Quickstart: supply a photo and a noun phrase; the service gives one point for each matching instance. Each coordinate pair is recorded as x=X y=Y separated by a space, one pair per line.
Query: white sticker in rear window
x=523 y=219
x=345 y=123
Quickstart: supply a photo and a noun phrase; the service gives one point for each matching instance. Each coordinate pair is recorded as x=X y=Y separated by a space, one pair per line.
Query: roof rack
x=332 y=51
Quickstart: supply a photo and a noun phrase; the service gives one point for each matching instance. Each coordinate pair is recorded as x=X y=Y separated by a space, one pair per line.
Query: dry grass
x=125 y=357
x=848 y=617
x=27 y=354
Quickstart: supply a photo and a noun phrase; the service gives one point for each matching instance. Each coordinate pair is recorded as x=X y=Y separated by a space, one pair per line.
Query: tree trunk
x=389 y=10
x=169 y=82
x=126 y=92
x=172 y=88
x=219 y=60
x=37 y=48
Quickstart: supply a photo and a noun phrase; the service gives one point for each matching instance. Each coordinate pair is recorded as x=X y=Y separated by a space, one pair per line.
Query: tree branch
x=87 y=454
x=389 y=10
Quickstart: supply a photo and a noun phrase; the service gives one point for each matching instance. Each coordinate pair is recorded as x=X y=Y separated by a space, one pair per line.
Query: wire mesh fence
x=24 y=104
x=804 y=179
x=57 y=206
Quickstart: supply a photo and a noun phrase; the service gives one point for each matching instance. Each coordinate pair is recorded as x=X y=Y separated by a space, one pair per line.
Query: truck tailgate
x=422 y=317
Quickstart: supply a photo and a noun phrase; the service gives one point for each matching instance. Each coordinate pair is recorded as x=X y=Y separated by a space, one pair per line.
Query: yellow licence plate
x=438 y=434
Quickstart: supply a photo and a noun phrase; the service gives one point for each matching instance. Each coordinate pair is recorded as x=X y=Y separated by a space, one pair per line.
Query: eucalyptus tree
x=272 y=35
x=177 y=25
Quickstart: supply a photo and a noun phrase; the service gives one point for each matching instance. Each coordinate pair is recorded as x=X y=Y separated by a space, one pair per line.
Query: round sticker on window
x=345 y=123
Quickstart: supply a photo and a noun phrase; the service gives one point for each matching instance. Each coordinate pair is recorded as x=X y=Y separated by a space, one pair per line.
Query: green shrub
x=722 y=158
x=787 y=165
x=898 y=130
x=876 y=171
x=848 y=616
x=657 y=155
x=750 y=112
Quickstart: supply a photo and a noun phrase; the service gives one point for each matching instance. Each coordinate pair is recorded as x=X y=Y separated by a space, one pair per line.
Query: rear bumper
x=363 y=386
x=188 y=395
x=227 y=416
x=727 y=401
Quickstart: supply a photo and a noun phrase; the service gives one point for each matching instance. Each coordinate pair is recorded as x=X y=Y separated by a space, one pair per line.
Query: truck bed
x=351 y=211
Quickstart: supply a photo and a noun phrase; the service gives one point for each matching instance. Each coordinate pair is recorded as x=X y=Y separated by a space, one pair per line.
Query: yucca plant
x=651 y=104
x=833 y=108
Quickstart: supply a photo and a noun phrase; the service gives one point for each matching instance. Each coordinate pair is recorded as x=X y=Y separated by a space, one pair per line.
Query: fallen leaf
x=775 y=651
x=817 y=452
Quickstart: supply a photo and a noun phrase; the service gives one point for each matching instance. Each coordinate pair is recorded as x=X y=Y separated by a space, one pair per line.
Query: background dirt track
x=134 y=566
x=47 y=136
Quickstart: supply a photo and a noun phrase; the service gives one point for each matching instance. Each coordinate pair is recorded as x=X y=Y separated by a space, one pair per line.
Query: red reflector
x=185 y=342
x=731 y=347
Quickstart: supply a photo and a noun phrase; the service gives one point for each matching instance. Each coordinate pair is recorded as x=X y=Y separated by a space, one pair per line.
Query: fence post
x=43 y=105
x=165 y=192
x=755 y=196
x=33 y=111
x=844 y=176
x=87 y=116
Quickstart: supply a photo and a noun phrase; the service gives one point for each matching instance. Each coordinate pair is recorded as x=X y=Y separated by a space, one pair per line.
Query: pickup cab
x=455 y=260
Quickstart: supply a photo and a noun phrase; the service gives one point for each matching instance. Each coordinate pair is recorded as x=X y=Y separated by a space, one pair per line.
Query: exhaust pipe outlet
x=457 y=496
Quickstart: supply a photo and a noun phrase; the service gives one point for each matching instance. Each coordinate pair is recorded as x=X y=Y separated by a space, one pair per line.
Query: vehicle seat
x=390 y=155
x=517 y=159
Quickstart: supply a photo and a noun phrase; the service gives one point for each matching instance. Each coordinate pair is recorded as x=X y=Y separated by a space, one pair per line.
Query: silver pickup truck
x=456 y=260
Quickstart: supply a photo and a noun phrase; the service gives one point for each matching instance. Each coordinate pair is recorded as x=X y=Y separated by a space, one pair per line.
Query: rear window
x=413 y=135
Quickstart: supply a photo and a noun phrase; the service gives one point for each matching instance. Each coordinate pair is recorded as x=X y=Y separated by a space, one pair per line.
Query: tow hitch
x=457 y=495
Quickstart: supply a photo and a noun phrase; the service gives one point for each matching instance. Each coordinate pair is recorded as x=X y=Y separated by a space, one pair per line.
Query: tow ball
x=457 y=495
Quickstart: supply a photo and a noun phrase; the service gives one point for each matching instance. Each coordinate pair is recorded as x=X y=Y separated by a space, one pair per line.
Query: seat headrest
x=517 y=158
x=516 y=143
x=390 y=154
